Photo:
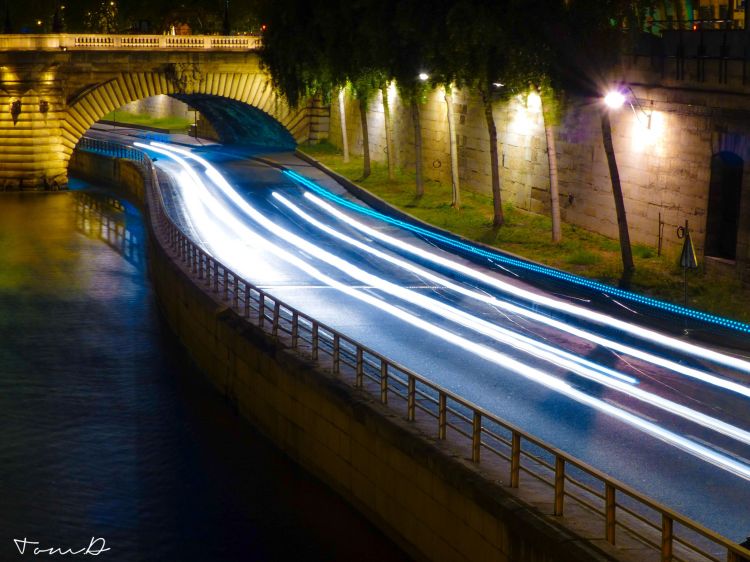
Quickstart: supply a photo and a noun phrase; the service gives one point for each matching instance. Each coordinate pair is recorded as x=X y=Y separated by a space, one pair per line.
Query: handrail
x=100 y=42
x=390 y=380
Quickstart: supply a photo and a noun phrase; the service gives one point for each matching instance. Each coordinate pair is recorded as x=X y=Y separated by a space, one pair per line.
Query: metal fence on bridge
x=514 y=456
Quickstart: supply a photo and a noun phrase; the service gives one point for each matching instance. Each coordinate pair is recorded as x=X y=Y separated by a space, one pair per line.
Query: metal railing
x=93 y=42
x=511 y=453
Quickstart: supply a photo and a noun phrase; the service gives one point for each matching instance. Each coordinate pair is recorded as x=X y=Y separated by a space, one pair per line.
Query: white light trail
x=502 y=360
x=548 y=353
x=581 y=312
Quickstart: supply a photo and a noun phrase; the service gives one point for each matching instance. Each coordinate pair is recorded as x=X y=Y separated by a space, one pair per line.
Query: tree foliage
x=203 y=16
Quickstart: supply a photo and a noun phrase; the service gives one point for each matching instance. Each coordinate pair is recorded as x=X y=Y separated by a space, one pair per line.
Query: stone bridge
x=54 y=87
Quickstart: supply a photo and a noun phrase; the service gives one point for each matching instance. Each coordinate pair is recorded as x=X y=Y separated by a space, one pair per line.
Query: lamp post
x=613 y=101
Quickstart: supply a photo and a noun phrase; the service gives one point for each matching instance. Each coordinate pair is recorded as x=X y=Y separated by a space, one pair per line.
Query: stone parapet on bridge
x=67 y=42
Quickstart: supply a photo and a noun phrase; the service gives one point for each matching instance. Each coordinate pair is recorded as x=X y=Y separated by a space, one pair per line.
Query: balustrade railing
x=93 y=42
x=512 y=454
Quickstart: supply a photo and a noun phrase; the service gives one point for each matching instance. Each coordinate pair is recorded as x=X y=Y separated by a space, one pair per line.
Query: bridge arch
x=243 y=108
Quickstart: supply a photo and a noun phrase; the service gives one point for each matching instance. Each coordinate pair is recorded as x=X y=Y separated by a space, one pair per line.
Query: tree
x=587 y=66
x=415 y=34
x=548 y=107
x=453 y=145
x=342 y=119
x=390 y=151
x=364 y=86
x=475 y=54
x=298 y=40
x=532 y=57
x=622 y=220
x=58 y=22
x=412 y=90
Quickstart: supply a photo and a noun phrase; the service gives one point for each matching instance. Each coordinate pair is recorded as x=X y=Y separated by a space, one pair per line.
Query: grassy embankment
x=526 y=234
x=173 y=124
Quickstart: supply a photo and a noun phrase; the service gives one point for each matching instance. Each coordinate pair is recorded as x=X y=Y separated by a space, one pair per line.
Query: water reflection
x=103 y=217
x=106 y=431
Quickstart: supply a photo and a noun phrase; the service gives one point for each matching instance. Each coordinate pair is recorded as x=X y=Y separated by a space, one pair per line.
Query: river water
x=107 y=432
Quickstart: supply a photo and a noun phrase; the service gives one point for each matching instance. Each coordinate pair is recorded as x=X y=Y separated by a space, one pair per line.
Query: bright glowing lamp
x=423 y=76
x=614 y=99
x=534 y=102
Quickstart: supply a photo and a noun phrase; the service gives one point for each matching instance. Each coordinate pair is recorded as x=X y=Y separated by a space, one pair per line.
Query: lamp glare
x=614 y=99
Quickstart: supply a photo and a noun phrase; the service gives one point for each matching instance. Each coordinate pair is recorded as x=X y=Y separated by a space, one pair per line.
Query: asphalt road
x=660 y=412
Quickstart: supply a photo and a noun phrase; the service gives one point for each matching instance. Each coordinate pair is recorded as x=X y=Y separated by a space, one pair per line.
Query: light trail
x=502 y=360
x=603 y=319
x=540 y=350
x=564 y=307
x=444 y=283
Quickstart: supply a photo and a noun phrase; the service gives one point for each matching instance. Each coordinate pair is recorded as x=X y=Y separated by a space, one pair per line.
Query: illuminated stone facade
x=665 y=148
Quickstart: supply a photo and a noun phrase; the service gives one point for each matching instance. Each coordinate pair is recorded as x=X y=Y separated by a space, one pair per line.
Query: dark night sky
x=203 y=15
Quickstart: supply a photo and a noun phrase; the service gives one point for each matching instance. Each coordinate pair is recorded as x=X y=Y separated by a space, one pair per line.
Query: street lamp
x=534 y=102
x=614 y=99
x=423 y=76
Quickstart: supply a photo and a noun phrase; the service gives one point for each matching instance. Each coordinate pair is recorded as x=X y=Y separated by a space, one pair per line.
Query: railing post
x=209 y=270
x=442 y=415
x=609 y=512
x=216 y=276
x=247 y=299
x=261 y=309
x=515 y=459
x=559 y=485
x=276 y=317
x=200 y=264
x=476 y=436
x=411 y=398
x=295 y=329
x=236 y=291
x=666 y=538
x=336 y=353
x=226 y=284
x=383 y=381
x=315 y=340
x=359 y=375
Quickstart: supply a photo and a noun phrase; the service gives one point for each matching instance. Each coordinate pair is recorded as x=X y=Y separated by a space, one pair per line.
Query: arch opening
x=231 y=121
x=239 y=123
x=723 y=218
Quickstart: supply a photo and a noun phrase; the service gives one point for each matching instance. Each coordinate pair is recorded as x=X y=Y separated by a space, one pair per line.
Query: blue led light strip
x=575 y=279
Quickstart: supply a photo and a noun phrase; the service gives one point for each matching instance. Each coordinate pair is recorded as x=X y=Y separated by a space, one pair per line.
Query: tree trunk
x=554 y=190
x=342 y=115
x=622 y=220
x=390 y=152
x=365 y=138
x=454 y=151
x=497 y=201
x=417 y=146
x=679 y=14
